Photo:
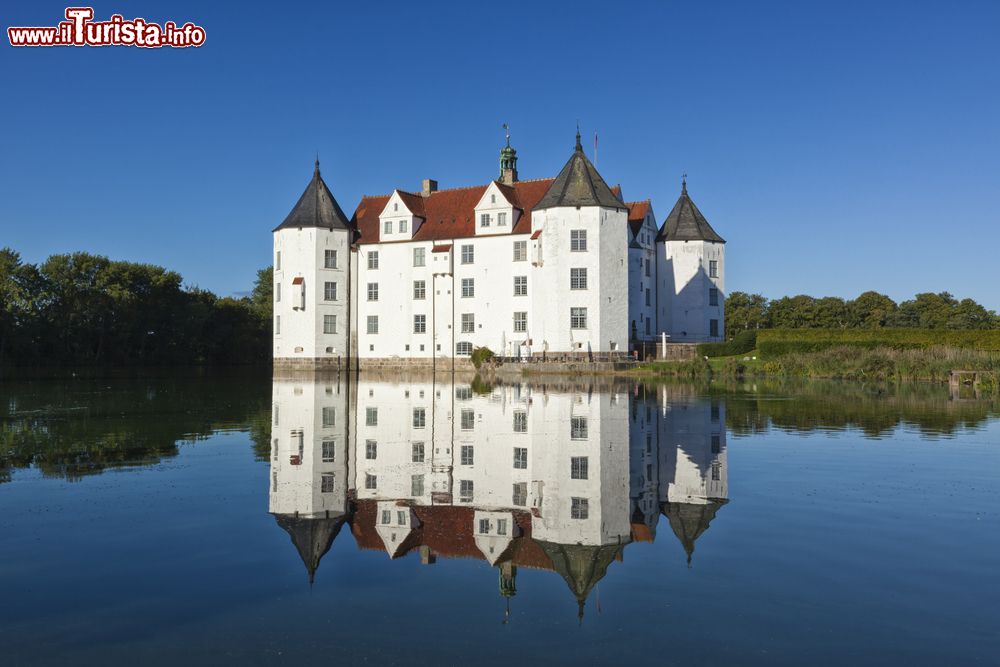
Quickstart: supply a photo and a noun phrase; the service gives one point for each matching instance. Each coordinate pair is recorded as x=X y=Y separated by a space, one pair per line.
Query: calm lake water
x=245 y=520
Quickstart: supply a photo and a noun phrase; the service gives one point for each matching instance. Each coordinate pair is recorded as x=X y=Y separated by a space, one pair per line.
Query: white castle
x=558 y=267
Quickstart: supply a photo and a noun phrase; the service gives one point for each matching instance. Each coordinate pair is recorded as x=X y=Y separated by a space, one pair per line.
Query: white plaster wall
x=684 y=289
x=638 y=281
x=686 y=453
x=606 y=296
x=493 y=306
x=303 y=255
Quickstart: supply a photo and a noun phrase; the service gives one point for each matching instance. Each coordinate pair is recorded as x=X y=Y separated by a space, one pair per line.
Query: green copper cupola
x=508 y=161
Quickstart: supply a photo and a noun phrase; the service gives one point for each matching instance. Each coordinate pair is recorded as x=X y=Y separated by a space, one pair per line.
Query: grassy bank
x=882 y=364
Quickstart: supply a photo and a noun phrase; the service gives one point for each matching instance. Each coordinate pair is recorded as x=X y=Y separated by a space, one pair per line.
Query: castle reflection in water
x=557 y=477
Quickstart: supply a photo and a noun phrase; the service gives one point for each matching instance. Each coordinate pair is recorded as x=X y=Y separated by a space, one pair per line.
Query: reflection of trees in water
x=74 y=427
x=802 y=406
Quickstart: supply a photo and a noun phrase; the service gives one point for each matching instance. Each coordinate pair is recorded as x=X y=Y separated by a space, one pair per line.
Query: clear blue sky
x=837 y=146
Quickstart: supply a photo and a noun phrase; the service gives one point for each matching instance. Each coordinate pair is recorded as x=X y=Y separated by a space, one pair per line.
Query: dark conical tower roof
x=690 y=520
x=312 y=537
x=686 y=223
x=316 y=208
x=579 y=184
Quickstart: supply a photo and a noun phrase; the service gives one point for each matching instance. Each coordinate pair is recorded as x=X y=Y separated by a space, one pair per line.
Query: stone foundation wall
x=309 y=363
x=677 y=351
x=438 y=365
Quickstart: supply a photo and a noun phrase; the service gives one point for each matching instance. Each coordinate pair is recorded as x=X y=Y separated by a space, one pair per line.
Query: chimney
x=430 y=185
x=426 y=557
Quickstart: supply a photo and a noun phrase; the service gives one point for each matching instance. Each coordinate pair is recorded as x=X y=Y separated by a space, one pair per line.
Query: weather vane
x=506 y=126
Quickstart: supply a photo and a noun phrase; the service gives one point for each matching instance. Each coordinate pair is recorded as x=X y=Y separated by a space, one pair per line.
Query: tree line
x=870 y=310
x=80 y=308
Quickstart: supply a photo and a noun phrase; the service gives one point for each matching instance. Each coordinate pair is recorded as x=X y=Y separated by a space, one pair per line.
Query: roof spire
x=316 y=170
x=579 y=146
x=684 y=183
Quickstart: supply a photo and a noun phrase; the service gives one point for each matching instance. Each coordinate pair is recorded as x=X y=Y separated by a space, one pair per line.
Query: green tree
x=793 y=312
x=745 y=312
x=870 y=310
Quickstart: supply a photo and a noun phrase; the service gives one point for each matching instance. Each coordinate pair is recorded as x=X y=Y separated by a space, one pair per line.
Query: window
x=714 y=411
x=330 y=259
x=277 y=292
x=277 y=261
x=468 y=287
x=371 y=450
x=329 y=450
x=371 y=481
x=484 y=220
x=466 y=490
x=277 y=325
x=403 y=226
x=416 y=485
x=463 y=393
x=502 y=219
x=647 y=296
x=578 y=240
x=713 y=328
x=468 y=254
x=713 y=268
x=401 y=517
x=329 y=291
x=520 y=285
x=468 y=322
x=419 y=289
x=713 y=297
x=716 y=443
x=501 y=526
x=520 y=496
x=578 y=429
x=578 y=467
x=373 y=324
x=648 y=325
x=520 y=251
x=520 y=421
x=716 y=471
x=468 y=456
x=484 y=526
x=326 y=483
x=464 y=348
x=468 y=420
x=373 y=291
x=419 y=417
x=520 y=458
x=329 y=324
x=521 y=321
x=386 y=227
x=373 y=260
x=417 y=452
x=578 y=278
x=386 y=517
x=577 y=318
x=419 y=324
x=329 y=416
x=579 y=508
x=371 y=416
x=647 y=268
x=418 y=256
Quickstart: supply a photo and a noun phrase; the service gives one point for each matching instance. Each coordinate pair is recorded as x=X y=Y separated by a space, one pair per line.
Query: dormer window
x=484 y=220
x=501 y=219
x=395 y=206
x=493 y=199
x=402 y=226
x=387 y=227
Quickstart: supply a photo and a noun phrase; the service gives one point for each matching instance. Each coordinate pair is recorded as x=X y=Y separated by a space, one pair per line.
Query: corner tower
x=691 y=269
x=580 y=236
x=312 y=282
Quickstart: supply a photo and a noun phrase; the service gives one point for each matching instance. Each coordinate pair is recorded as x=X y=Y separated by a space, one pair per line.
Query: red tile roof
x=450 y=214
x=637 y=211
x=441 y=248
x=537 y=233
